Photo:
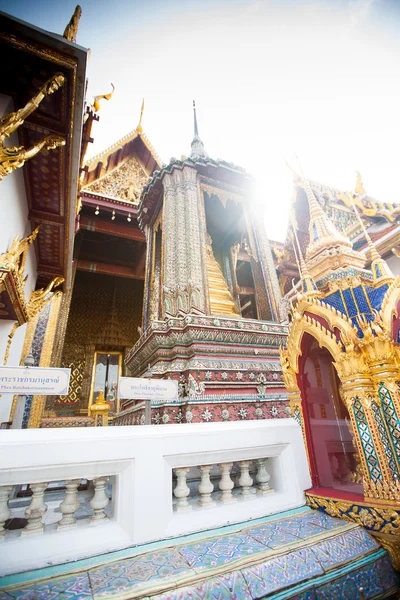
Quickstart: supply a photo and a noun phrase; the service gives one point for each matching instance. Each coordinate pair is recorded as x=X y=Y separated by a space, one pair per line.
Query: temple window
x=106 y=372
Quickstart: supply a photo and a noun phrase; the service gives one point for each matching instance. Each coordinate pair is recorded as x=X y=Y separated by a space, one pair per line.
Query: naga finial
x=71 y=30
x=139 y=128
x=359 y=189
x=96 y=100
x=14 y=157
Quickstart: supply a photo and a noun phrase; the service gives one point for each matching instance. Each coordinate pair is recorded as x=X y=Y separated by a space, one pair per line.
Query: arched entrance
x=333 y=457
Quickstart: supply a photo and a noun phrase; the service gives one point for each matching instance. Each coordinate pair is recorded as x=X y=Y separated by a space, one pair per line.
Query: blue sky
x=271 y=79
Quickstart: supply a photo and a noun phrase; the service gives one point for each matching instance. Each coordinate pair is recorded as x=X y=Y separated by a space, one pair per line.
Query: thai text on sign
x=139 y=388
x=34 y=380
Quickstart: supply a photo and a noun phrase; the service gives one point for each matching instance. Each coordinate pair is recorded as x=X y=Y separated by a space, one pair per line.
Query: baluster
x=206 y=487
x=35 y=511
x=263 y=477
x=70 y=504
x=226 y=484
x=5 y=512
x=245 y=481
x=182 y=490
x=100 y=499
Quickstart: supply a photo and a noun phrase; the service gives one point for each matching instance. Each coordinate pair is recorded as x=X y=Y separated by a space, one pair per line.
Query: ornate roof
x=30 y=56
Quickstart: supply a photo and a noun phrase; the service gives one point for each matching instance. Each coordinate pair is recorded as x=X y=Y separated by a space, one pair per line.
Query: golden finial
x=374 y=252
x=96 y=101
x=359 y=189
x=139 y=128
x=71 y=30
x=308 y=283
x=379 y=266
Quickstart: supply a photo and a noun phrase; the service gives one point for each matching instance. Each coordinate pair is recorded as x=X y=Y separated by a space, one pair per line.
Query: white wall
x=140 y=461
x=394 y=263
x=13 y=221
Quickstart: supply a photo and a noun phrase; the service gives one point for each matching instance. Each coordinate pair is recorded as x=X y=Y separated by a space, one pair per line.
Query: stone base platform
x=300 y=554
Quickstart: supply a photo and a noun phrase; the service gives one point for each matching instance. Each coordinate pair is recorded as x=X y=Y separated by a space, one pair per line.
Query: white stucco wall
x=13 y=221
x=394 y=264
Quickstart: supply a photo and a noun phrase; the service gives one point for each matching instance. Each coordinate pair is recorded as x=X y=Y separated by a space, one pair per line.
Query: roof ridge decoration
x=379 y=267
x=101 y=157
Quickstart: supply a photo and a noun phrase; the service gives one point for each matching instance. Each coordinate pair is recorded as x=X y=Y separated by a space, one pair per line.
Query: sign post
x=149 y=390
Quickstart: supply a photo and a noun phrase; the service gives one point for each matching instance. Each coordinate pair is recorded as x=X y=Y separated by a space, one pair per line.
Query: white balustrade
x=205 y=487
x=100 y=499
x=245 y=481
x=263 y=477
x=216 y=484
x=182 y=490
x=36 y=509
x=70 y=504
x=226 y=484
x=5 y=512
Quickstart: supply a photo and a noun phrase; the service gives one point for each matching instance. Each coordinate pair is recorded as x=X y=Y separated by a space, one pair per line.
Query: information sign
x=139 y=388
x=34 y=380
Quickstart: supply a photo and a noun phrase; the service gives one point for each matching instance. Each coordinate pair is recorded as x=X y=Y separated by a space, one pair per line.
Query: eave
x=51 y=180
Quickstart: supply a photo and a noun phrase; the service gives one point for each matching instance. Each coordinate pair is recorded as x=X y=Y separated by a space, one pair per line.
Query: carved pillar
x=376 y=455
x=182 y=250
x=146 y=298
x=263 y=257
x=62 y=322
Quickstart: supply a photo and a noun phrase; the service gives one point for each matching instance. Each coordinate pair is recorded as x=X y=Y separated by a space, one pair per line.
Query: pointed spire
x=197 y=144
x=139 y=128
x=309 y=287
x=322 y=231
x=379 y=267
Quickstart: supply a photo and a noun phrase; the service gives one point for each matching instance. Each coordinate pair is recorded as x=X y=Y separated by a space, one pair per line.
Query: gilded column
x=50 y=328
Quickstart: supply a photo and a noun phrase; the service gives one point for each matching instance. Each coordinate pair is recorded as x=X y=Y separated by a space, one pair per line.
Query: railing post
x=70 y=504
x=182 y=490
x=263 y=477
x=100 y=499
x=5 y=512
x=245 y=481
x=205 y=487
x=35 y=511
x=226 y=484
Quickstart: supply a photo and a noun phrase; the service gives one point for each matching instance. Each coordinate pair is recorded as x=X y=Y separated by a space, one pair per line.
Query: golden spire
x=359 y=189
x=322 y=231
x=309 y=286
x=139 y=128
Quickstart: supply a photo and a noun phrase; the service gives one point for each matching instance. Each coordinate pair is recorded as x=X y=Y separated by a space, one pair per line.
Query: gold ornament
x=13 y=157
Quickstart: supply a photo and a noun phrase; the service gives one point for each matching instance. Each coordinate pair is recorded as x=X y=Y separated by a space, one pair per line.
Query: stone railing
x=94 y=490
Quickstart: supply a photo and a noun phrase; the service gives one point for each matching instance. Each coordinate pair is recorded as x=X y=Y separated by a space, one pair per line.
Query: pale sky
x=271 y=79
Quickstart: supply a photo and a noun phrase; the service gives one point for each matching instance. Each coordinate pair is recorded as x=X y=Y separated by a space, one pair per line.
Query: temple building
x=278 y=474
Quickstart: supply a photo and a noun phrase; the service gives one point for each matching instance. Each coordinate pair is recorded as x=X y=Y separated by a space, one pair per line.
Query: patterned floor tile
x=127 y=575
x=219 y=551
x=73 y=587
x=302 y=529
x=389 y=578
x=272 y=535
x=228 y=587
x=348 y=586
x=323 y=520
x=308 y=595
x=343 y=548
x=281 y=572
